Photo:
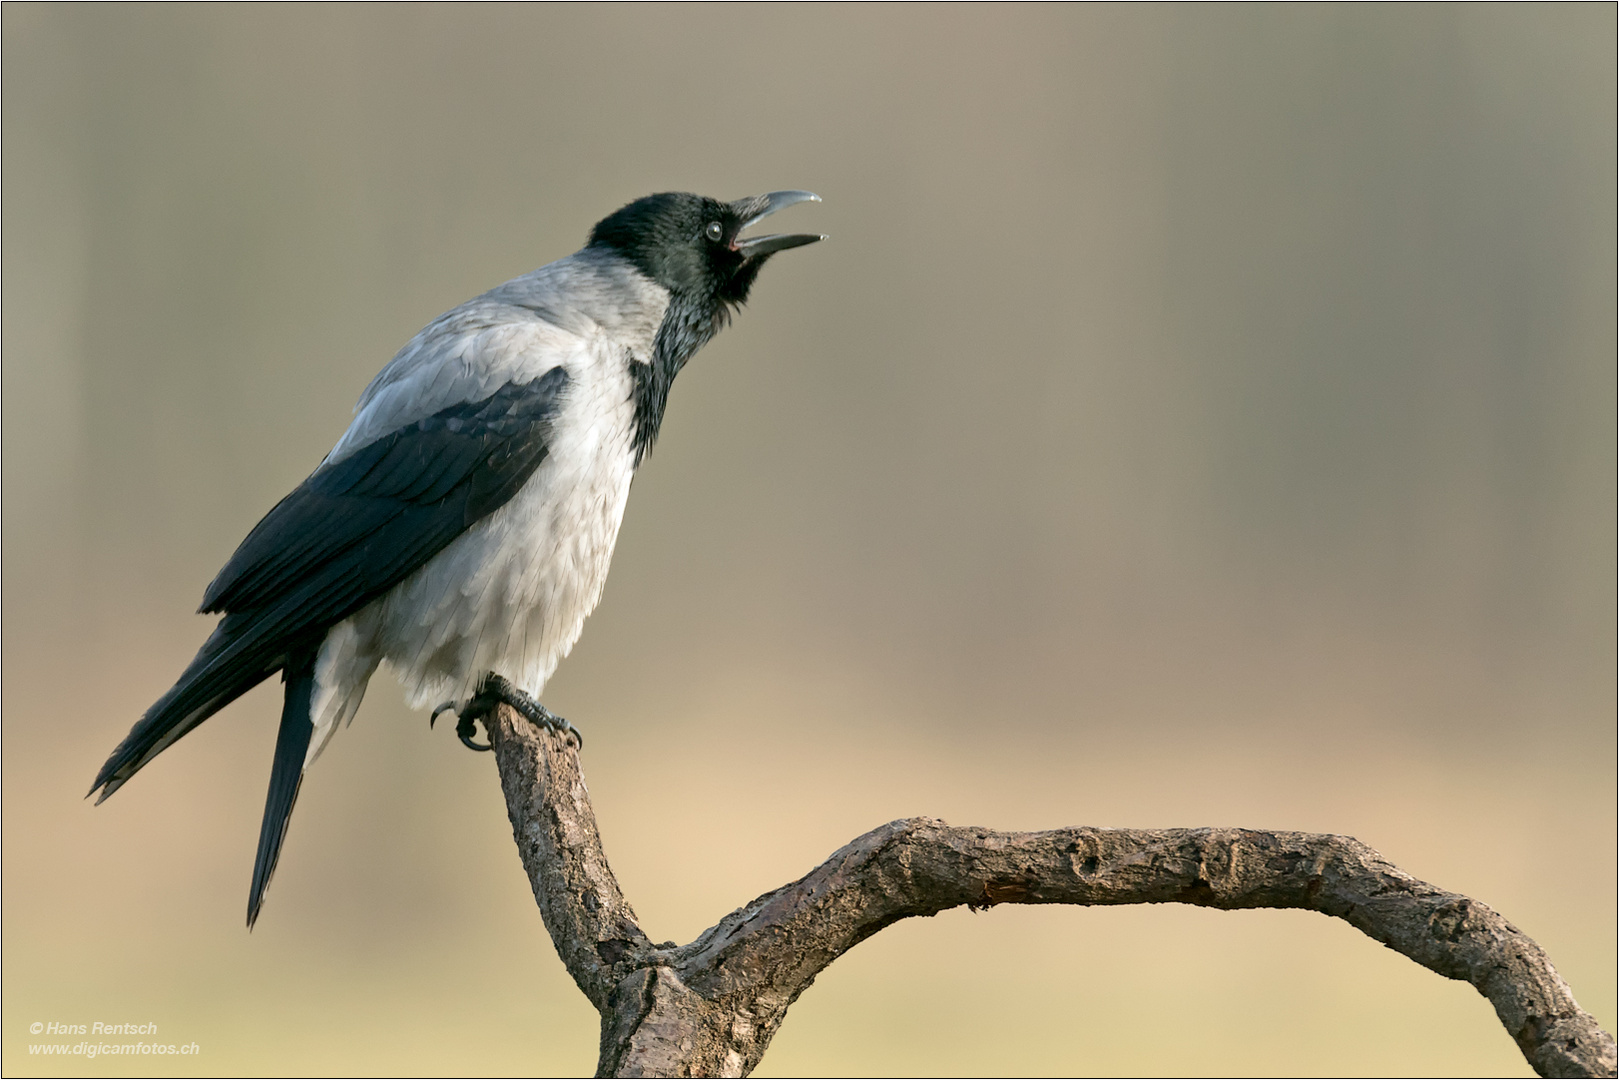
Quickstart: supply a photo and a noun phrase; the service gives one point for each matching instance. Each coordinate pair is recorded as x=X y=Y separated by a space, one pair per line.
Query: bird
x=461 y=528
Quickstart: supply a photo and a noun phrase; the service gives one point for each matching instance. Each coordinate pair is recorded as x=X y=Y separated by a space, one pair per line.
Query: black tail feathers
x=286 y=775
x=242 y=652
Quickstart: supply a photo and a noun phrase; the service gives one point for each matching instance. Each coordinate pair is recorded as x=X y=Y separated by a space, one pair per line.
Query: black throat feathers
x=688 y=324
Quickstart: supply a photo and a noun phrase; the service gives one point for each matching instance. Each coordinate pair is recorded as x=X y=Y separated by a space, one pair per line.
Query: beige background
x=1198 y=417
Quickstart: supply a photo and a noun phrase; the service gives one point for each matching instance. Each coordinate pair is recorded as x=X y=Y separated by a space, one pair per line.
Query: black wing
x=350 y=532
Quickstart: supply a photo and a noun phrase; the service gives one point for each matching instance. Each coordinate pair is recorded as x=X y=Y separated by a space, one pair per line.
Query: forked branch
x=711 y=1007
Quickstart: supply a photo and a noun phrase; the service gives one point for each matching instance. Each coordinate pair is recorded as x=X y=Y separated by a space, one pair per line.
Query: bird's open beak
x=756 y=208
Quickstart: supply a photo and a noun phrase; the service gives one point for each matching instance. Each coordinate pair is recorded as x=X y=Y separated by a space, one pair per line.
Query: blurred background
x=1199 y=416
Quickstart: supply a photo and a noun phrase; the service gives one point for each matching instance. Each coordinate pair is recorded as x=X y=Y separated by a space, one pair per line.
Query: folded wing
x=354 y=529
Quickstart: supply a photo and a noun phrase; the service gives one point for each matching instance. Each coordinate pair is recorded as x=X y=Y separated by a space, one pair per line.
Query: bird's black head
x=693 y=245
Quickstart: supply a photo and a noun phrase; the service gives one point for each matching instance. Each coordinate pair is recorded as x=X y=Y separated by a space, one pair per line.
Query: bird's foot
x=493 y=691
x=467 y=713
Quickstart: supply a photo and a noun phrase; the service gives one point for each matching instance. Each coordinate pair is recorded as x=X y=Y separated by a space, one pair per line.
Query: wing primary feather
x=233 y=660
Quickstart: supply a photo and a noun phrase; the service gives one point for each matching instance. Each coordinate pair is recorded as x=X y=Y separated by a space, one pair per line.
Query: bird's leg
x=493 y=691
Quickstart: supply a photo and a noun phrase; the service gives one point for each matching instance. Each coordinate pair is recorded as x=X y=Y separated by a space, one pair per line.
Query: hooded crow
x=461 y=528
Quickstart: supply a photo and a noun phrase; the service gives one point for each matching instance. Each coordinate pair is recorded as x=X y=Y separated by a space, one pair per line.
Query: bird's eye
x=715 y=231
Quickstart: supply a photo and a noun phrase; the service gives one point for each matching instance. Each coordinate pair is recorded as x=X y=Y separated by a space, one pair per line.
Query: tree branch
x=711 y=1007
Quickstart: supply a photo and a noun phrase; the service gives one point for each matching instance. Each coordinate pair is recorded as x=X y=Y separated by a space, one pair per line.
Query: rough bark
x=711 y=1007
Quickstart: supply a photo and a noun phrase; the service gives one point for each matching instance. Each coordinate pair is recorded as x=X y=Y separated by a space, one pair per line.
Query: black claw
x=465 y=721
x=466 y=728
x=448 y=706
